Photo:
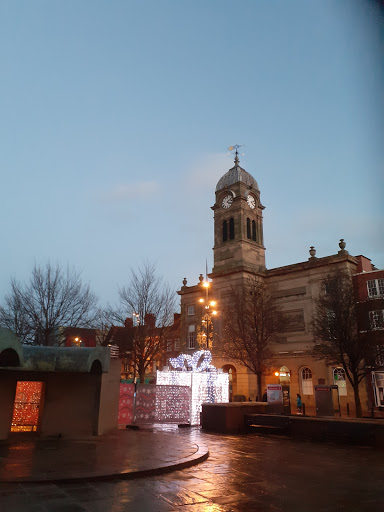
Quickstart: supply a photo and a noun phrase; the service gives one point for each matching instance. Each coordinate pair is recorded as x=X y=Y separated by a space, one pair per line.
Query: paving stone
x=245 y=473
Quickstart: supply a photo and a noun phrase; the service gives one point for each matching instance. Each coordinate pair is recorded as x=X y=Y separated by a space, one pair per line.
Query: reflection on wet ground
x=243 y=473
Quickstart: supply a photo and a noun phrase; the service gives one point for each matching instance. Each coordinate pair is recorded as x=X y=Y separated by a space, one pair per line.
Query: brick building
x=369 y=289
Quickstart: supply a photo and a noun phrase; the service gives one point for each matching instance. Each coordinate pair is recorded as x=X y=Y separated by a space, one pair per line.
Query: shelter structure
x=57 y=391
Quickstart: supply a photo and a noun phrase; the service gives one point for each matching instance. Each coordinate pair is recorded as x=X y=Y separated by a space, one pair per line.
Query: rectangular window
x=191 y=310
x=377 y=319
x=177 y=344
x=169 y=345
x=378 y=388
x=307 y=386
x=375 y=287
x=191 y=337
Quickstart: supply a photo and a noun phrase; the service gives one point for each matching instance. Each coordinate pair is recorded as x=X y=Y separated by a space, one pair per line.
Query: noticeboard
x=274 y=394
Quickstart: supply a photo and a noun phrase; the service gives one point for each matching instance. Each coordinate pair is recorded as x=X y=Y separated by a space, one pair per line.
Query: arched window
x=248 y=228
x=339 y=381
x=254 y=230
x=284 y=375
x=231 y=229
x=225 y=231
x=306 y=381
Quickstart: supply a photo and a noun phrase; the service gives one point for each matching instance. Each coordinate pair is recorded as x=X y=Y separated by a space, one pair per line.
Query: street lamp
x=137 y=316
x=209 y=311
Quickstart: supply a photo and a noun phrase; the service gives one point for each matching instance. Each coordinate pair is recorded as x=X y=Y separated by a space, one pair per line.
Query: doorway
x=27 y=407
x=285 y=381
x=231 y=370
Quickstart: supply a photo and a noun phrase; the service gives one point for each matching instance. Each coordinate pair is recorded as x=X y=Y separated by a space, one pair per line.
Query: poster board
x=275 y=398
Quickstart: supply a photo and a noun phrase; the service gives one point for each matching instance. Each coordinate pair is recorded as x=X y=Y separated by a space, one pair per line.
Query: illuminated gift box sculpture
x=196 y=372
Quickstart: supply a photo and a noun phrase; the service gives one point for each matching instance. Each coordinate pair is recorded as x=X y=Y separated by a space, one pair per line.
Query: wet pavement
x=122 y=453
x=242 y=473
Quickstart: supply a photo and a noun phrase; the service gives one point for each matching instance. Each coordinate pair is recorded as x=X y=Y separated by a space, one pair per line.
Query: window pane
x=339 y=380
x=306 y=381
x=377 y=319
x=372 y=291
x=307 y=387
x=231 y=229
x=225 y=235
x=381 y=286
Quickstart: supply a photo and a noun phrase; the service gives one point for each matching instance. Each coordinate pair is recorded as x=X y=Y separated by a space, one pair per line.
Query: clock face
x=251 y=202
x=227 y=201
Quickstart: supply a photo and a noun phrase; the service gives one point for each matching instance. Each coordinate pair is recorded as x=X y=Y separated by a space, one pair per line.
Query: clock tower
x=238 y=224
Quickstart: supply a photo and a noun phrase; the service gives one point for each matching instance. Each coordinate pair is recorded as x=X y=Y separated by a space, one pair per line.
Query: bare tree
x=335 y=328
x=53 y=298
x=153 y=304
x=252 y=319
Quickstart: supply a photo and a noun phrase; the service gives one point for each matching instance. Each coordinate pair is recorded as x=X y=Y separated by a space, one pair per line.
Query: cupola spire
x=236 y=147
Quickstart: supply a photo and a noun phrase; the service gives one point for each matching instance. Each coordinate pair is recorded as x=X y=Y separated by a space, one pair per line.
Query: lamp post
x=137 y=317
x=209 y=311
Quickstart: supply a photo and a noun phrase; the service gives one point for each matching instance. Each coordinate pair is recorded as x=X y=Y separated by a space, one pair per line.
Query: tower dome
x=236 y=174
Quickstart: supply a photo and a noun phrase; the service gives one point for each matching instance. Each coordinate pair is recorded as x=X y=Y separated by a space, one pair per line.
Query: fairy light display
x=26 y=409
x=173 y=403
x=203 y=379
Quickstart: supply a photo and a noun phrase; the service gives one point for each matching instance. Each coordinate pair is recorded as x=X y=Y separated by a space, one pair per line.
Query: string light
x=184 y=361
x=205 y=383
x=26 y=409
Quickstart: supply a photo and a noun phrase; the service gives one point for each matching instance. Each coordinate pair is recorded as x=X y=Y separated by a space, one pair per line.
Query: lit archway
x=284 y=375
x=231 y=370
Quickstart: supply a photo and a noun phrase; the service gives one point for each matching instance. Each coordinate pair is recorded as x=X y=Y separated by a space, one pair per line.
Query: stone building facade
x=239 y=252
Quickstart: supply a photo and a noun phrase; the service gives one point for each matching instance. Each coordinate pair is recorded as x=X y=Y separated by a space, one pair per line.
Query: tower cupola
x=238 y=222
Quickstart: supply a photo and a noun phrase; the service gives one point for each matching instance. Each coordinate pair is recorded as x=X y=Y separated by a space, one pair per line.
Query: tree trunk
x=259 y=389
x=359 y=413
x=141 y=371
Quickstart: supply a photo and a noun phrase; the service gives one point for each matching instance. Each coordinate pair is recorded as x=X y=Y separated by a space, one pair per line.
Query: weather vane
x=236 y=147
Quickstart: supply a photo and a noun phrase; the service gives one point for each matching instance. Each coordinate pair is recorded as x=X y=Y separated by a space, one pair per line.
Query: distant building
x=239 y=252
x=369 y=288
x=124 y=338
x=80 y=337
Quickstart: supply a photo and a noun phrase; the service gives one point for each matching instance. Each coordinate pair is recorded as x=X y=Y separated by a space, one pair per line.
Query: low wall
x=109 y=398
x=351 y=431
x=228 y=418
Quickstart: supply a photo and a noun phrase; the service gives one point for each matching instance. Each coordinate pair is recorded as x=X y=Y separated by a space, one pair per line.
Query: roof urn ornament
x=342 y=246
x=201 y=279
x=185 y=281
x=312 y=252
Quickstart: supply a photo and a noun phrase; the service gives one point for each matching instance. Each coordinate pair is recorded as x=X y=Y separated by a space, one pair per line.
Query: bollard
x=347 y=409
x=303 y=409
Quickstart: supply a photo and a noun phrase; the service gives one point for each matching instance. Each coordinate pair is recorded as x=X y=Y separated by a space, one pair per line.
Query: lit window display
x=26 y=408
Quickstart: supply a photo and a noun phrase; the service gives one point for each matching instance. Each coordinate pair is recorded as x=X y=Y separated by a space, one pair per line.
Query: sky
x=116 y=118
